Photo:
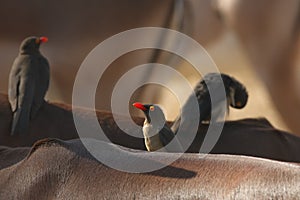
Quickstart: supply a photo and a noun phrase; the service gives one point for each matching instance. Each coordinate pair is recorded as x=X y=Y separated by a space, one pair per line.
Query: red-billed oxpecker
x=157 y=135
x=236 y=97
x=28 y=83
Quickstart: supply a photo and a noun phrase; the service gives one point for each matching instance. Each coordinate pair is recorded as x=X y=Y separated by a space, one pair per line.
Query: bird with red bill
x=28 y=83
x=157 y=135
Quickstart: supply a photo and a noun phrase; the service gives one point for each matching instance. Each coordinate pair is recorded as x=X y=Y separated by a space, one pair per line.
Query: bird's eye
x=152 y=108
x=37 y=40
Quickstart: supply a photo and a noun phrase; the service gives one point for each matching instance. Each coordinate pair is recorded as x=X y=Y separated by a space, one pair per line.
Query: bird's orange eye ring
x=37 y=40
x=152 y=108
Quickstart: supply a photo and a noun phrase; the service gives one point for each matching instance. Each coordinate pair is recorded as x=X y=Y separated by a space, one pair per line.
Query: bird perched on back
x=157 y=134
x=28 y=83
x=236 y=96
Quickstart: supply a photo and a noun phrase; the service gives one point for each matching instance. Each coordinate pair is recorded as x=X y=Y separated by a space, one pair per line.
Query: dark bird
x=28 y=83
x=236 y=97
x=157 y=135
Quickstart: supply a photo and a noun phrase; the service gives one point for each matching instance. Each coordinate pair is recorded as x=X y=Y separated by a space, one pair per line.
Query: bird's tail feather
x=20 y=123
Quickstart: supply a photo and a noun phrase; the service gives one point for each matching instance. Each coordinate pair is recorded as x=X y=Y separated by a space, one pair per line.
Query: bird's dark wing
x=166 y=135
x=21 y=82
x=13 y=85
x=20 y=124
x=42 y=84
x=25 y=86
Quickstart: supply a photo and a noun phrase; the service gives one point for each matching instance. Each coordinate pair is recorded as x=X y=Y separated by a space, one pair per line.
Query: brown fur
x=64 y=170
x=10 y=156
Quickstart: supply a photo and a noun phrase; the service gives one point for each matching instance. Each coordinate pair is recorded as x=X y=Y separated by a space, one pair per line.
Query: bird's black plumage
x=28 y=83
x=236 y=96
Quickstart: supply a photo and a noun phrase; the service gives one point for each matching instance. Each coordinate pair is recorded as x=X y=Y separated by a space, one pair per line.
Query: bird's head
x=32 y=44
x=239 y=97
x=236 y=92
x=153 y=114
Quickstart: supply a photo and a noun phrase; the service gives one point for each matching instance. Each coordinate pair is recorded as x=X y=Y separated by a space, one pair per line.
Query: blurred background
x=245 y=38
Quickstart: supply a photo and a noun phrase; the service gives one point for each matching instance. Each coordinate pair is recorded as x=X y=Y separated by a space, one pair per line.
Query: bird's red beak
x=139 y=106
x=43 y=39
